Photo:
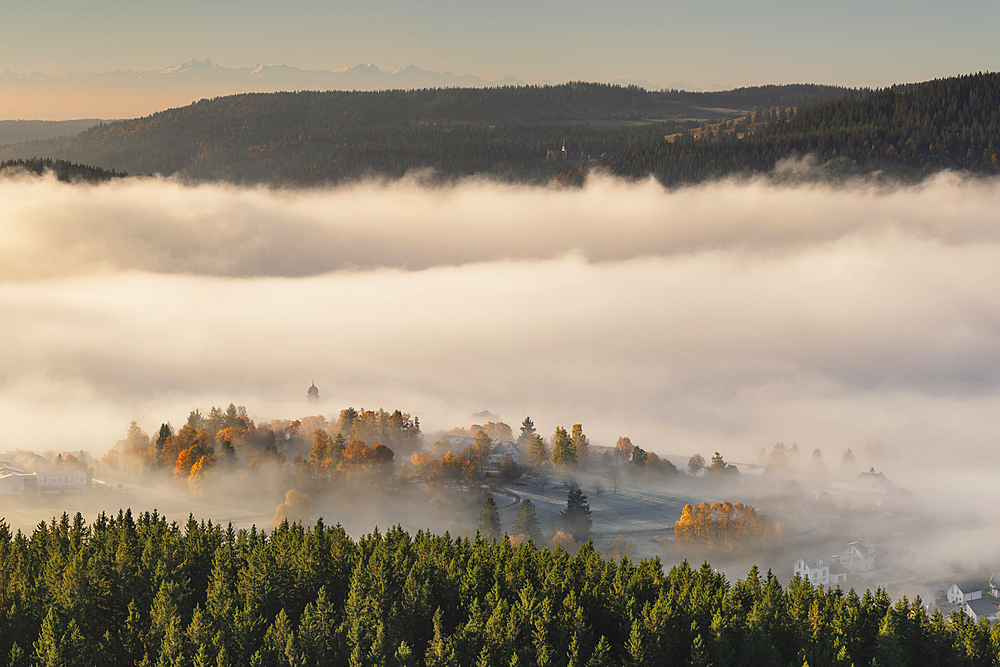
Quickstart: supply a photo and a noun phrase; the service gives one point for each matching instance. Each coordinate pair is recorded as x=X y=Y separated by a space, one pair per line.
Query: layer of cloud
x=724 y=317
x=162 y=226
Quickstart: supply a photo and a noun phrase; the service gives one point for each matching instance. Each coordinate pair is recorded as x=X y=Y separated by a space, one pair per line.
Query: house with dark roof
x=964 y=591
x=502 y=449
x=980 y=608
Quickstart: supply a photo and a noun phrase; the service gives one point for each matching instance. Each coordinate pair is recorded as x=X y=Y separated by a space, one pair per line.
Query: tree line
x=228 y=440
x=63 y=170
x=141 y=590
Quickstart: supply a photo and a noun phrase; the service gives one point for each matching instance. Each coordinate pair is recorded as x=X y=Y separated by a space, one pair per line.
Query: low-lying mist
x=727 y=316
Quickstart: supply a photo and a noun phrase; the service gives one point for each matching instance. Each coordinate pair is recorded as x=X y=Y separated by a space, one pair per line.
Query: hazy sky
x=853 y=42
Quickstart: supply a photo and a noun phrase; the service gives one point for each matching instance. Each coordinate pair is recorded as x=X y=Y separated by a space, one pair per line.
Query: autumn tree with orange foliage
x=726 y=527
x=479 y=451
x=320 y=456
x=229 y=437
x=186 y=438
x=185 y=461
x=199 y=475
x=194 y=445
x=452 y=470
x=422 y=464
x=358 y=454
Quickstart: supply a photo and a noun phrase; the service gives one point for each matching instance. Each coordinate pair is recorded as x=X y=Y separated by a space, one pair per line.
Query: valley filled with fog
x=726 y=316
x=852 y=323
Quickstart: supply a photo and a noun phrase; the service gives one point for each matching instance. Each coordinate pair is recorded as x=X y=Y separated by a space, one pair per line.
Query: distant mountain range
x=130 y=93
x=277 y=77
x=266 y=78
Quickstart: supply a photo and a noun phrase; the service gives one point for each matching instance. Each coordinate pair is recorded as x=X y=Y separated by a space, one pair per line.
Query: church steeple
x=313 y=394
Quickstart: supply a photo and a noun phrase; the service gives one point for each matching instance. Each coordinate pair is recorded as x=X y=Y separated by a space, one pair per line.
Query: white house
x=502 y=449
x=964 y=591
x=814 y=570
x=980 y=608
x=61 y=481
x=859 y=557
x=11 y=484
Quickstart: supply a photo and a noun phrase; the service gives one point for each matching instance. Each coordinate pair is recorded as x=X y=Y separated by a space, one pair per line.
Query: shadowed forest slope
x=514 y=133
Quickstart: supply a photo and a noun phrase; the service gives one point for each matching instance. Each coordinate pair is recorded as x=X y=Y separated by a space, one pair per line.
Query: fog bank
x=162 y=226
x=721 y=317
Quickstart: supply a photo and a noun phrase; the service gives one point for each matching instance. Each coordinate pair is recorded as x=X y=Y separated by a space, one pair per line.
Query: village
x=892 y=552
x=888 y=528
x=860 y=533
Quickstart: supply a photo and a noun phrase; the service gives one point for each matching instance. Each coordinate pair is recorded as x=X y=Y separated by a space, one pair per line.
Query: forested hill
x=309 y=137
x=907 y=131
x=141 y=591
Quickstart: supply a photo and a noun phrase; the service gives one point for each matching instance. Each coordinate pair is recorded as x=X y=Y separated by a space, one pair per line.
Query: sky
x=852 y=43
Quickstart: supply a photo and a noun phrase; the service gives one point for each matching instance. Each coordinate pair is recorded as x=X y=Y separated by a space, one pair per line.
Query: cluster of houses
x=860 y=557
x=860 y=564
x=23 y=473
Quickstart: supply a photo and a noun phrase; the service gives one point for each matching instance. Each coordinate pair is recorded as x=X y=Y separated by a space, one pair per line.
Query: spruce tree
x=527 y=431
x=526 y=522
x=601 y=657
x=489 y=520
x=576 y=517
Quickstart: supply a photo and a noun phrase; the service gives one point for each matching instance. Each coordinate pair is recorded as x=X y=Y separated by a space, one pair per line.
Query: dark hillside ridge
x=906 y=131
x=313 y=137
